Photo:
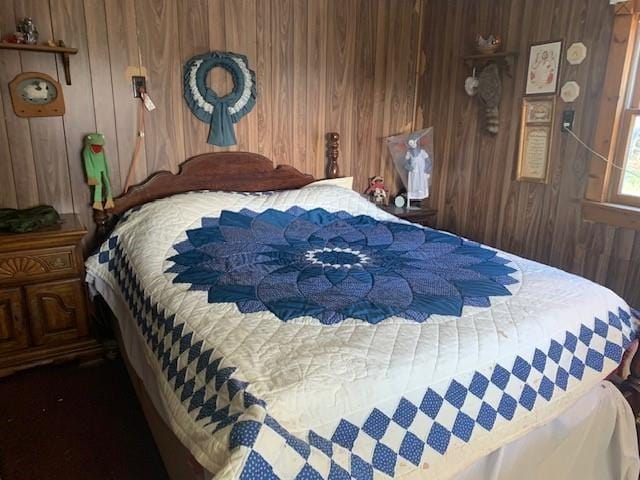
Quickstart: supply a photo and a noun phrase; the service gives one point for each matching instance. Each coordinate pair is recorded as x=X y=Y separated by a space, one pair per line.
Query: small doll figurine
x=376 y=191
x=29 y=30
x=418 y=165
x=97 y=169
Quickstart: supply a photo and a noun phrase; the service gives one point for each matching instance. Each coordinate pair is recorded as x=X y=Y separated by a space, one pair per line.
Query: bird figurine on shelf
x=489 y=45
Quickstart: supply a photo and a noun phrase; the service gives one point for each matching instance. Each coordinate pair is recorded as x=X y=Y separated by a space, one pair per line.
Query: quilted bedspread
x=308 y=334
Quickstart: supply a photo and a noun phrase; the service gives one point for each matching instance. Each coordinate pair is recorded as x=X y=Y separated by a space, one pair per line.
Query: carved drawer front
x=37 y=264
x=58 y=311
x=13 y=333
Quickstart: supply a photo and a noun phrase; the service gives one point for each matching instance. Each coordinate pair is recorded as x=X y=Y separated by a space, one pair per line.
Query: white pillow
x=344 y=182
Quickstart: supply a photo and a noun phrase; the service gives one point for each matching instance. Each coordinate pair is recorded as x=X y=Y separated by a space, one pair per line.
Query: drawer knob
x=58 y=262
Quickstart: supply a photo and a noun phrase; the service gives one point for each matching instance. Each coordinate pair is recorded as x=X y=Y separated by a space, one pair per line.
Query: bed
x=278 y=329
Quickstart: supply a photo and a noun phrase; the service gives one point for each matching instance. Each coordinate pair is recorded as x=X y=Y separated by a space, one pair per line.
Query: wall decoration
x=36 y=95
x=97 y=170
x=471 y=84
x=489 y=45
x=569 y=92
x=219 y=112
x=544 y=68
x=536 y=132
x=490 y=93
x=576 y=53
x=28 y=30
x=412 y=155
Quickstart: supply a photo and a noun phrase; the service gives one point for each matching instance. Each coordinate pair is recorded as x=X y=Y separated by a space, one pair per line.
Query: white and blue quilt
x=307 y=334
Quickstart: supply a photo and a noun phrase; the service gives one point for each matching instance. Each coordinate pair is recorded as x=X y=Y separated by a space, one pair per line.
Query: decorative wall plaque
x=536 y=132
x=36 y=94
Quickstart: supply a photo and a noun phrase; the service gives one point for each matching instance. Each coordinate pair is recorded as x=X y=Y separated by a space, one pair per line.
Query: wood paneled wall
x=321 y=65
x=476 y=192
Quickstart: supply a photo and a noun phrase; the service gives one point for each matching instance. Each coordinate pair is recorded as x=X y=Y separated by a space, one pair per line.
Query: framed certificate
x=544 y=68
x=536 y=132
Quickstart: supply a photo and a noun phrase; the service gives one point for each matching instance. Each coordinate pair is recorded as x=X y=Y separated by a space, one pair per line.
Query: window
x=625 y=177
x=612 y=195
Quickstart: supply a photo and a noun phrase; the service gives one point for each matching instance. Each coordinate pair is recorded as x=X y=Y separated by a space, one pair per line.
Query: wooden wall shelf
x=503 y=59
x=62 y=50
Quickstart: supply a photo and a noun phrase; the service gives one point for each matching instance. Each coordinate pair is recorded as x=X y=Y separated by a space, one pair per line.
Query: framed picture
x=536 y=132
x=544 y=68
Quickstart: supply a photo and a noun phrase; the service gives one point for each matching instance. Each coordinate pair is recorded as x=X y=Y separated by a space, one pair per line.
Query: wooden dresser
x=43 y=301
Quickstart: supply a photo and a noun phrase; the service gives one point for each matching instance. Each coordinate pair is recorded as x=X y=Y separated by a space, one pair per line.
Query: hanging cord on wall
x=599 y=155
x=138 y=147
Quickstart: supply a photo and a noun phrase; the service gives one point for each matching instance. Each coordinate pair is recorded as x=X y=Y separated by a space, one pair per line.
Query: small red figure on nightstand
x=377 y=192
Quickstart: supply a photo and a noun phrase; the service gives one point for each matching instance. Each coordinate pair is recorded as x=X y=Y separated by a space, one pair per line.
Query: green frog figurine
x=95 y=164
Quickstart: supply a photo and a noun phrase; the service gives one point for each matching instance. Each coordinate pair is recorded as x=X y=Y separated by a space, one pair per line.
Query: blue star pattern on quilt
x=334 y=266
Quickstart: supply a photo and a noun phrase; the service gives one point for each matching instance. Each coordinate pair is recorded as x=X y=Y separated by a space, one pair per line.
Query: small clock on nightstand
x=424 y=216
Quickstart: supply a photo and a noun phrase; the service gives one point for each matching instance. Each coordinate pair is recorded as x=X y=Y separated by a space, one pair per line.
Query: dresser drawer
x=31 y=265
x=57 y=311
x=13 y=333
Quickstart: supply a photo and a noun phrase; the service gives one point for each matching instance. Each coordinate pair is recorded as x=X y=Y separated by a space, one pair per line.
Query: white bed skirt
x=595 y=439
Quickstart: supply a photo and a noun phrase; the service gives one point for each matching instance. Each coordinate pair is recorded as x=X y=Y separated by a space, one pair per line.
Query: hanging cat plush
x=490 y=92
x=97 y=169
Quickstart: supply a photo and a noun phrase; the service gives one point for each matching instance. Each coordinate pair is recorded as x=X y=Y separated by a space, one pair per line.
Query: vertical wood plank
x=376 y=143
x=9 y=65
x=340 y=78
x=18 y=132
x=365 y=132
x=282 y=78
x=265 y=106
x=157 y=22
x=8 y=197
x=193 y=26
x=125 y=62
x=240 y=37
x=317 y=12
x=299 y=87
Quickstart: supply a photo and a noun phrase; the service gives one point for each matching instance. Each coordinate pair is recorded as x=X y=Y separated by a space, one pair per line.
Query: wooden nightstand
x=43 y=301
x=421 y=215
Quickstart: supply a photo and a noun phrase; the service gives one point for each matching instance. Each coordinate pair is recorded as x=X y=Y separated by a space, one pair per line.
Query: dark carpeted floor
x=70 y=422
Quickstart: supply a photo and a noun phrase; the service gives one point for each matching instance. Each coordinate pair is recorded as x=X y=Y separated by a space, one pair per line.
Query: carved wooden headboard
x=223 y=171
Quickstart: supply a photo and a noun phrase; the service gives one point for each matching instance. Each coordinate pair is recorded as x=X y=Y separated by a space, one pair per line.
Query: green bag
x=28 y=219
